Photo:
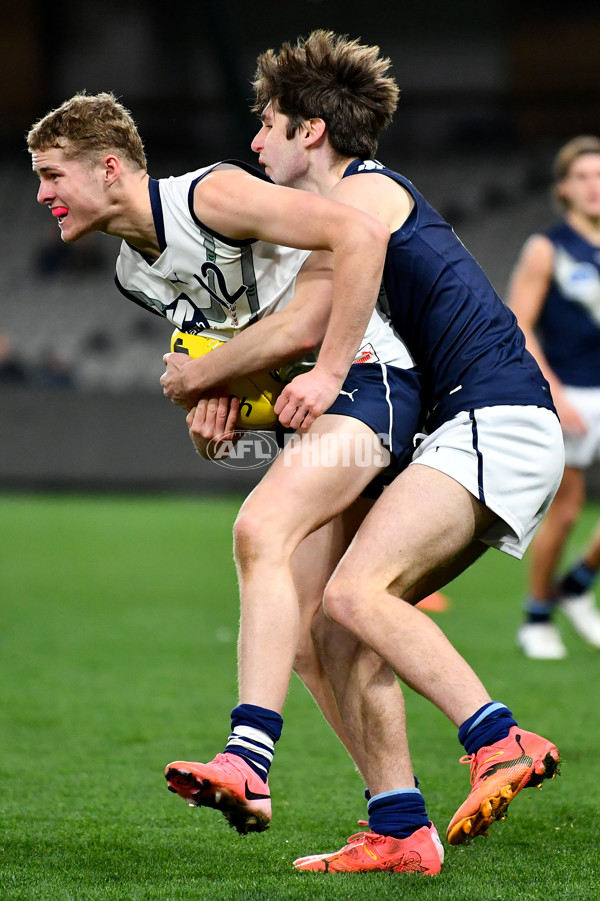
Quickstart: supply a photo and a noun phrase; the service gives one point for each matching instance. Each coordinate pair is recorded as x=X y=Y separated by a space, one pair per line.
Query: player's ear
x=561 y=190
x=314 y=130
x=112 y=168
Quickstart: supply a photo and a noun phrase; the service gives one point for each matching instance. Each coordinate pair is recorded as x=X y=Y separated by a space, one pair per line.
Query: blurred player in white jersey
x=555 y=294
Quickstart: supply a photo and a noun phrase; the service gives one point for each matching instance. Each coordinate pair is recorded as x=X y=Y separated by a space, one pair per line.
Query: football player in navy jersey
x=555 y=294
x=488 y=462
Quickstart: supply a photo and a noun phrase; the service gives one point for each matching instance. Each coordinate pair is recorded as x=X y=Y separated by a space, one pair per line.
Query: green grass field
x=118 y=636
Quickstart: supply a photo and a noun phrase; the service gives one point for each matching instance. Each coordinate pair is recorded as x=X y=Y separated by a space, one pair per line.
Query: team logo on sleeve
x=579 y=281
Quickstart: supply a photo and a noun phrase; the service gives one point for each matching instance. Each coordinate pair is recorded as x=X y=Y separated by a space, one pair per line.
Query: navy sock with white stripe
x=488 y=725
x=397 y=813
x=254 y=731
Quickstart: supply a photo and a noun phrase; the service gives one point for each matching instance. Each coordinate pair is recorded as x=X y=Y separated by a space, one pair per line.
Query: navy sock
x=254 y=731
x=488 y=725
x=538 y=611
x=368 y=793
x=579 y=579
x=397 y=813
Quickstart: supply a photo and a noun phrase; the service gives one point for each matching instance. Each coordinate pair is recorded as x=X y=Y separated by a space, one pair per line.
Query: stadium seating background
x=489 y=92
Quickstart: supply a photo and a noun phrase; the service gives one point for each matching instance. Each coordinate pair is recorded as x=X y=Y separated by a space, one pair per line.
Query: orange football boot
x=498 y=773
x=227 y=784
x=366 y=852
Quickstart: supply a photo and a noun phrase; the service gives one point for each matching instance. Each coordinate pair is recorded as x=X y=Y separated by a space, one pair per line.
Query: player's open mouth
x=59 y=212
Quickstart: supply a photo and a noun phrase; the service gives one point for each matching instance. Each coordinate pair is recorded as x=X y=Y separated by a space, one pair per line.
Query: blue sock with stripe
x=488 y=725
x=368 y=793
x=397 y=813
x=538 y=611
x=254 y=731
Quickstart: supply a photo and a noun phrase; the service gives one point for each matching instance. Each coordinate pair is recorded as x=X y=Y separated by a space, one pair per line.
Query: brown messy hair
x=565 y=158
x=330 y=77
x=88 y=125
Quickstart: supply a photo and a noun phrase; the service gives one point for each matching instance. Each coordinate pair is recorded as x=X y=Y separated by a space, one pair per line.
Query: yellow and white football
x=257 y=393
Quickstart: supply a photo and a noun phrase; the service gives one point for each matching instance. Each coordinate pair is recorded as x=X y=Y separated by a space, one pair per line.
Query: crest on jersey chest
x=579 y=281
x=219 y=295
x=206 y=299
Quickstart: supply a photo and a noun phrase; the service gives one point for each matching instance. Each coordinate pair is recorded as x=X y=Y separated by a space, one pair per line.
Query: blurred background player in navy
x=555 y=294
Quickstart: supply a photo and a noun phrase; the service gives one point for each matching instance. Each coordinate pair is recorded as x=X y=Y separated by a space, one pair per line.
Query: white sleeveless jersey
x=206 y=283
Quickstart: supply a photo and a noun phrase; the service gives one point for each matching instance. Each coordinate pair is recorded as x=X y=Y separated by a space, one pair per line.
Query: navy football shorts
x=386 y=399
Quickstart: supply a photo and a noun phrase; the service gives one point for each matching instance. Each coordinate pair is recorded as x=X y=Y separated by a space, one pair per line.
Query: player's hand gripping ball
x=257 y=393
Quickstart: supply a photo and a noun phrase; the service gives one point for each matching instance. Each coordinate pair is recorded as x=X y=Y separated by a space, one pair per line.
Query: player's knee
x=572 y=512
x=568 y=522
x=342 y=601
x=564 y=516
x=258 y=535
x=250 y=539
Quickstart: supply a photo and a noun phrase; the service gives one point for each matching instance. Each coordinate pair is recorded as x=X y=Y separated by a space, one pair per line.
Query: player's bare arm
x=376 y=195
x=528 y=290
x=274 y=340
x=530 y=282
x=312 y=393
x=242 y=206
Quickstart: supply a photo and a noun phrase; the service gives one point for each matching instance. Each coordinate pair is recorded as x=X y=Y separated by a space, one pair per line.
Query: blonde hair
x=87 y=126
x=333 y=78
x=565 y=158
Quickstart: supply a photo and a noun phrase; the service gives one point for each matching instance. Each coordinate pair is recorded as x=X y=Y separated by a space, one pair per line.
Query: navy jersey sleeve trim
x=251 y=170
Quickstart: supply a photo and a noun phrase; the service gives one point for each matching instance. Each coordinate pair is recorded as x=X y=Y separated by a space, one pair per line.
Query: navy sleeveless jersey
x=463 y=338
x=569 y=324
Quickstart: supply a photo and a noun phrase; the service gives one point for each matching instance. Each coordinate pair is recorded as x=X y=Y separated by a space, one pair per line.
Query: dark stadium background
x=489 y=91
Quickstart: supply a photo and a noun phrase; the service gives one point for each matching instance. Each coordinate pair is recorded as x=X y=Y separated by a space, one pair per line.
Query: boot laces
x=472 y=760
x=361 y=837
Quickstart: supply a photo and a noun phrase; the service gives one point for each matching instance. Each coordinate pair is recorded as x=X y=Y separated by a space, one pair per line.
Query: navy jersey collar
x=157 y=213
x=352 y=168
x=357 y=164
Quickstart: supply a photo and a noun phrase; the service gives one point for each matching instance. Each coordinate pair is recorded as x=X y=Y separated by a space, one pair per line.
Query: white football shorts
x=509 y=457
x=583 y=450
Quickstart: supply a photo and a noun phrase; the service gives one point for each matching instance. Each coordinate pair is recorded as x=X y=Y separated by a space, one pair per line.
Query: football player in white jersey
x=198 y=250
x=323 y=103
